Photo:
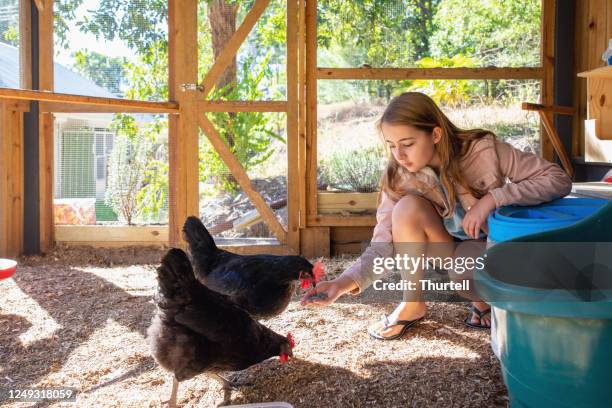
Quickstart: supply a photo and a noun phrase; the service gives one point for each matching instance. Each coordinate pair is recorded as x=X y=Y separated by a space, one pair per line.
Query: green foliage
x=9 y=20
x=138 y=170
x=497 y=32
x=140 y=24
x=355 y=170
x=248 y=134
x=447 y=92
x=378 y=32
x=107 y=72
x=126 y=170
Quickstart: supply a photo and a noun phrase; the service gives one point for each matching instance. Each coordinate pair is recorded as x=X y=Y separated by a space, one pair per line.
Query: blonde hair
x=421 y=112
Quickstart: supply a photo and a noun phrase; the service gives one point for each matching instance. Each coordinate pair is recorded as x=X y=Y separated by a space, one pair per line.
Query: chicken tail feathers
x=175 y=277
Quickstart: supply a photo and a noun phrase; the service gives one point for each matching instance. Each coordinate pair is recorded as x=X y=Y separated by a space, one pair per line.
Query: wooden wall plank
x=315 y=242
x=183 y=129
x=45 y=147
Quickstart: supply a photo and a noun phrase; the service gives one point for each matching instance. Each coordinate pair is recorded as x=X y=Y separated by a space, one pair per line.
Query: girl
x=440 y=185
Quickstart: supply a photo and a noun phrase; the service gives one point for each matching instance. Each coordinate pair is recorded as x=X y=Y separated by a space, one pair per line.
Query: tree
x=107 y=72
x=497 y=32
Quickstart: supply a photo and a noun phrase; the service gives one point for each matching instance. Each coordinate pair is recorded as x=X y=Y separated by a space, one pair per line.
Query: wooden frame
x=11 y=178
x=183 y=194
x=314 y=73
x=45 y=148
x=188 y=108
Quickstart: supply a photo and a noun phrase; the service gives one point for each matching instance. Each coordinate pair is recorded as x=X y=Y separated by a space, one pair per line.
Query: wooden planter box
x=358 y=203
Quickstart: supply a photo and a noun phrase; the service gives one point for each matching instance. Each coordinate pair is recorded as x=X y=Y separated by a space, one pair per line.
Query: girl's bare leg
x=415 y=222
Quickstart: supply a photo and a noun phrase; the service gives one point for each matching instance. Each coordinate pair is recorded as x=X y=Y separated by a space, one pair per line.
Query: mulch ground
x=78 y=318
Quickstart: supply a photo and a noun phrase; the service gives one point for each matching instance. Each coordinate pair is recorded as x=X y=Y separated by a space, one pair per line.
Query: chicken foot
x=172 y=401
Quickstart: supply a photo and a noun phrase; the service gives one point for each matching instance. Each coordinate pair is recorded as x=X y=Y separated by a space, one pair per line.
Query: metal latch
x=191 y=87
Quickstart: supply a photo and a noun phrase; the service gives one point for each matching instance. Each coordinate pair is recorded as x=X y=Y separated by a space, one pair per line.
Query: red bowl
x=7 y=268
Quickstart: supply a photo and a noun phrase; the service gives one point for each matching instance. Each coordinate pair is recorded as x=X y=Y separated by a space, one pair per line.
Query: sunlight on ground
x=16 y=302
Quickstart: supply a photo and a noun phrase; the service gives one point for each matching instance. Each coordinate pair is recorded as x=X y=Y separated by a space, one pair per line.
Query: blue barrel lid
x=515 y=221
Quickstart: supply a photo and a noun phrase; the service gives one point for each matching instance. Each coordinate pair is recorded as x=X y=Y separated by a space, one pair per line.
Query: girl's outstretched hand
x=326 y=293
x=475 y=218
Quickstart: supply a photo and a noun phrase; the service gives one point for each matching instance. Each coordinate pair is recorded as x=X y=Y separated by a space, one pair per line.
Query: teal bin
x=552 y=303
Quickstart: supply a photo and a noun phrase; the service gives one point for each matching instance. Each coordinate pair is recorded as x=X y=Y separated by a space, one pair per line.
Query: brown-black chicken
x=261 y=284
x=196 y=330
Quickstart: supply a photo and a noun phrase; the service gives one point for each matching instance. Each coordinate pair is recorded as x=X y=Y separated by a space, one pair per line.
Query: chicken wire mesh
x=428 y=33
x=112 y=48
x=347 y=113
x=258 y=70
x=10 y=72
x=111 y=169
x=258 y=141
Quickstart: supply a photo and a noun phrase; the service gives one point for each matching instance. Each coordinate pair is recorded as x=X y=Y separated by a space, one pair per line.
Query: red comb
x=318 y=271
x=290 y=339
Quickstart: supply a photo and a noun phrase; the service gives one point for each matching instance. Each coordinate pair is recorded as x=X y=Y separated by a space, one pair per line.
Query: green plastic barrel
x=552 y=325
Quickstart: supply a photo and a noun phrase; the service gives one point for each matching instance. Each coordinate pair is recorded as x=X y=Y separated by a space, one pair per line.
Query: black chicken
x=261 y=284
x=197 y=330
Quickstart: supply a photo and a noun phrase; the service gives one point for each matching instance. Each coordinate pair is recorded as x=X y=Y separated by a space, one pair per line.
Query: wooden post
x=183 y=129
x=315 y=242
x=11 y=181
x=311 y=108
x=302 y=112
x=548 y=61
x=293 y=106
x=45 y=147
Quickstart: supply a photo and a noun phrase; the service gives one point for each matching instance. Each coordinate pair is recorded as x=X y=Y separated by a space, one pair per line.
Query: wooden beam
x=183 y=130
x=548 y=66
x=40 y=5
x=232 y=46
x=293 y=106
x=45 y=128
x=113 y=233
x=242 y=106
x=311 y=110
x=90 y=102
x=25 y=44
x=302 y=112
x=342 y=221
x=556 y=142
x=63 y=107
x=581 y=38
x=242 y=178
x=430 y=73
x=11 y=182
x=562 y=110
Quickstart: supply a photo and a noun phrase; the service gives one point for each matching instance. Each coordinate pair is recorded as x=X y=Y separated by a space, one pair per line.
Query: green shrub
x=356 y=170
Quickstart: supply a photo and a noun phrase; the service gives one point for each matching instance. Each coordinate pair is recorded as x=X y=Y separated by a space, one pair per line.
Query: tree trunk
x=222 y=17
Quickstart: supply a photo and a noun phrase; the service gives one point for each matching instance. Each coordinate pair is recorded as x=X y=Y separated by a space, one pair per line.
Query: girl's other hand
x=326 y=293
x=475 y=218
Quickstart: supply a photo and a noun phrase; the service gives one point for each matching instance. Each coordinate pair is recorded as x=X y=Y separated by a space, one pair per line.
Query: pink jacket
x=487 y=166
